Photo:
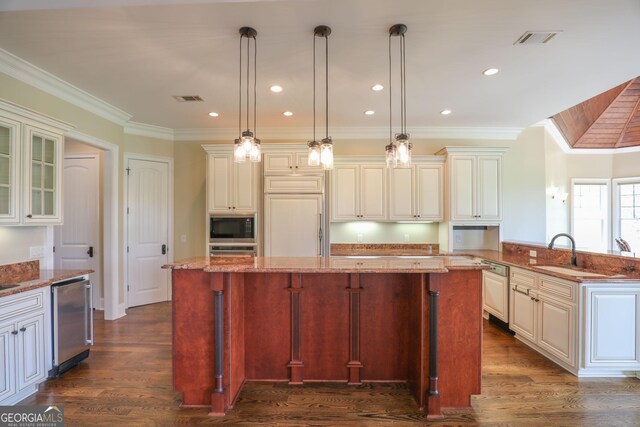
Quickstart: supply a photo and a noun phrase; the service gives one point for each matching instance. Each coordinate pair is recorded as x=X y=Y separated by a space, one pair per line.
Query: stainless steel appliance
x=250 y=250
x=228 y=229
x=71 y=323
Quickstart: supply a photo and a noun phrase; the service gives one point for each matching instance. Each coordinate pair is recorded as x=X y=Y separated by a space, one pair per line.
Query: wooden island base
x=424 y=329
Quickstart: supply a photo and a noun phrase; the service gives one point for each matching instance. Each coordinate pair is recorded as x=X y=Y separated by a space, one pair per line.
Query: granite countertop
x=38 y=280
x=513 y=260
x=334 y=264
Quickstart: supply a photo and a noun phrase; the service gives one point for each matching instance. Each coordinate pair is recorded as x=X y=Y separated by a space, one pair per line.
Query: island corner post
x=424 y=329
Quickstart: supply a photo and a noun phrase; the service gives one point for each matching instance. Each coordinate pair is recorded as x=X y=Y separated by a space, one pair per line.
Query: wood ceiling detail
x=608 y=120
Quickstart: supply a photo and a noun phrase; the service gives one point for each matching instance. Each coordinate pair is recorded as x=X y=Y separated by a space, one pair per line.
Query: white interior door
x=292 y=224
x=147 y=231
x=77 y=241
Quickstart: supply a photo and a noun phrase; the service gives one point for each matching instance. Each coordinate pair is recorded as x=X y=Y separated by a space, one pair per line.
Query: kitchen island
x=340 y=319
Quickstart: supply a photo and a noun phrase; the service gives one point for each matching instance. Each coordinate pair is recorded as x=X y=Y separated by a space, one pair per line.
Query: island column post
x=218 y=403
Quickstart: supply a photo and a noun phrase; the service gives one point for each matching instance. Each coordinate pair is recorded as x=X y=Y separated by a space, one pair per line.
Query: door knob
x=90 y=252
x=164 y=249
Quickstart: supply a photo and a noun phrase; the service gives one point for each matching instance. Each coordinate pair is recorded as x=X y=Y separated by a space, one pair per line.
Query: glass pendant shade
x=247 y=141
x=313 y=158
x=326 y=153
x=390 y=156
x=239 y=153
x=255 y=153
x=403 y=151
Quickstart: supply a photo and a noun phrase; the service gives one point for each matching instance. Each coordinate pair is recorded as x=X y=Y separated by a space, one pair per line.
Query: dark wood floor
x=127 y=381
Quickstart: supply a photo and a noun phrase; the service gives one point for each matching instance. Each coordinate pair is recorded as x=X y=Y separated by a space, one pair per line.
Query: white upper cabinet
x=286 y=162
x=416 y=193
x=231 y=187
x=31 y=149
x=475 y=184
x=358 y=192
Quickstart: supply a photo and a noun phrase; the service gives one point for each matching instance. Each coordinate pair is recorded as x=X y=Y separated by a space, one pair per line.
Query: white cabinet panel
x=7 y=361
x=495 y=295
x=430 y=194
x=292 y=224
x=30 y=355
x=613 y=323
x=523 y=318
x=463 y=181
x=401 y=194
x=345 y=184
x=231 y=186
x=9 y=170
x=373 y=196
x=275 y=163
x=556 y=329
x=488 y=187
x=219 y=181
x=244 y=189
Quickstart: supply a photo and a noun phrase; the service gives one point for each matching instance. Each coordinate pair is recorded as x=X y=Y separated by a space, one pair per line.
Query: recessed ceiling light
x=287 y=113
x=490 y=71
x=276 y=88
x=214 y=114
x=445 y=112
x=377 y=87
x=369 y=113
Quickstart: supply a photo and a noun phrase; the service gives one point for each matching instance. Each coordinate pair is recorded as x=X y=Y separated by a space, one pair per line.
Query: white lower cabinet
x=23 y=344
x=495 y=295
x=592 y=329
x=612 y=327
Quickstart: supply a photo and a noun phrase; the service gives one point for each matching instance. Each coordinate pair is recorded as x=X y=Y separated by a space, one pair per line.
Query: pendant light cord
x=314 y=87
x=404 y=85
x=247 y=83
x=326 y=76
x=240 y=92
x=390 y=97
x=255 y=81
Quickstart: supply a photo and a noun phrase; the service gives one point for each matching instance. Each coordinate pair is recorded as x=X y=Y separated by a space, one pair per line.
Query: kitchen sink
x=569 y=271
x=4 y=287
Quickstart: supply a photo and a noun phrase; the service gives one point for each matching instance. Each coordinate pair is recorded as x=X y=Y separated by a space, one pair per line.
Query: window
x=590 y=214
x=627 y=211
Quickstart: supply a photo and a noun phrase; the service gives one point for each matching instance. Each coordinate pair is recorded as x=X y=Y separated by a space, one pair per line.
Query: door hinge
x=127 y=288
x=127 y=249
x=128 y=171
x=127 y=211
x=54 y=249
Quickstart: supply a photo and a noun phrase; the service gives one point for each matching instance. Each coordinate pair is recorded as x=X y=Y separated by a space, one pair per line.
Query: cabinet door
x=30 y=354
x=523 y=315
x=373 y=192
x=463 y=181
x=278 y=163
x=401 y=191
x=345 y=181
x=301 y=163
x=244 y=187
x=612 y=329
x=9 y=170
x=219 y=177
x=489 y=185
x=495 y=295
x=7 y=361
x=292 y=224
x=42 y=177
x=429 y=197
x=556 y=331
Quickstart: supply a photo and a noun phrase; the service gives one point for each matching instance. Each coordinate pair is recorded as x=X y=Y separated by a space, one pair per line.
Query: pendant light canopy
x=247 y=146
x=321 y=153
x=398 y=151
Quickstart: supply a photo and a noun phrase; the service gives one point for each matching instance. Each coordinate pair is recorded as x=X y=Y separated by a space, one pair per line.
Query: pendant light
x=398 y=151
x=321 y=153
x=247 y=146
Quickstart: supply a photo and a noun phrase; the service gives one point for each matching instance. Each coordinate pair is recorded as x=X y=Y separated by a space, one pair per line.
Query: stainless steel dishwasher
x=71 y=323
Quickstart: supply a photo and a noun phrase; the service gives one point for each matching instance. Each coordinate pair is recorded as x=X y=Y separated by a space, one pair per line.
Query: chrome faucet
x=573 y=246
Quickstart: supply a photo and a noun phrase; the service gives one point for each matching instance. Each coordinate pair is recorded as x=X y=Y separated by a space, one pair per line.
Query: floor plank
x=127 y=381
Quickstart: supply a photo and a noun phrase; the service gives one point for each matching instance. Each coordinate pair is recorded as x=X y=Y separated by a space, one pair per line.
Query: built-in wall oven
x=232 y=235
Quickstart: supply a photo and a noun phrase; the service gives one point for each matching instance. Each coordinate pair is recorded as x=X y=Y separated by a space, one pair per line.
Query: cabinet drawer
x=297 y=184
x=561 y=290
x=24 y=302
x=523 y=278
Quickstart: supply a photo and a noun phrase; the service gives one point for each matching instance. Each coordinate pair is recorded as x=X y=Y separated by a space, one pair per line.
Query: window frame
x=615 y=218
x=608 y=220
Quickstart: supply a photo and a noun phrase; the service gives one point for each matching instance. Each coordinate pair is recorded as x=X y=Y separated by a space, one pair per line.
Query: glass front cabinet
x=31 y=150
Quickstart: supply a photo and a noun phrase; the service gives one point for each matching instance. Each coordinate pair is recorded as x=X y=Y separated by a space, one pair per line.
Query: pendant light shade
x=321 y=153
x=247 y=146
x=398 y=151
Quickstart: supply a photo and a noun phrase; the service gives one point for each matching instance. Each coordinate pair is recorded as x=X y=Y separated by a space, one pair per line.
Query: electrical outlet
x=533 y=254
x=359 y=237
x=36 y=252
x=406 y=238
x=183 y=238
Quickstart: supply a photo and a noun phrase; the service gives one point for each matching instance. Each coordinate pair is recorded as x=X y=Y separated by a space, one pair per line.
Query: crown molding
x=352 y=133
x=26 y=72
x=151 y=131
x=550 y=126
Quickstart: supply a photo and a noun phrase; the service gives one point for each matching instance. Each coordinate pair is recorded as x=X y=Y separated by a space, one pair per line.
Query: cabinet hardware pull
x=14 y=332
x=23 y=329
x=520 y=292
x=29 y=216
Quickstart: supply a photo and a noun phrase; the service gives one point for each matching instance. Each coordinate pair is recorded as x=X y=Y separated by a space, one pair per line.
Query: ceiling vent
x=537 y=37
x=188 y=98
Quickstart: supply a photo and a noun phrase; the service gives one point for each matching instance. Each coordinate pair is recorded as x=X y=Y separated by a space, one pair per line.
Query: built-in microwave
x=232 y=229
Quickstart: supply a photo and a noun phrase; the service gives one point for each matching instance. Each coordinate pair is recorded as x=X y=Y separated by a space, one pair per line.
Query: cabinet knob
x=14 y=332
x=23 y=329
x=29 y=216
x=290 y=167
x=234 y=207
x=228 y=207
x=296 y=167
